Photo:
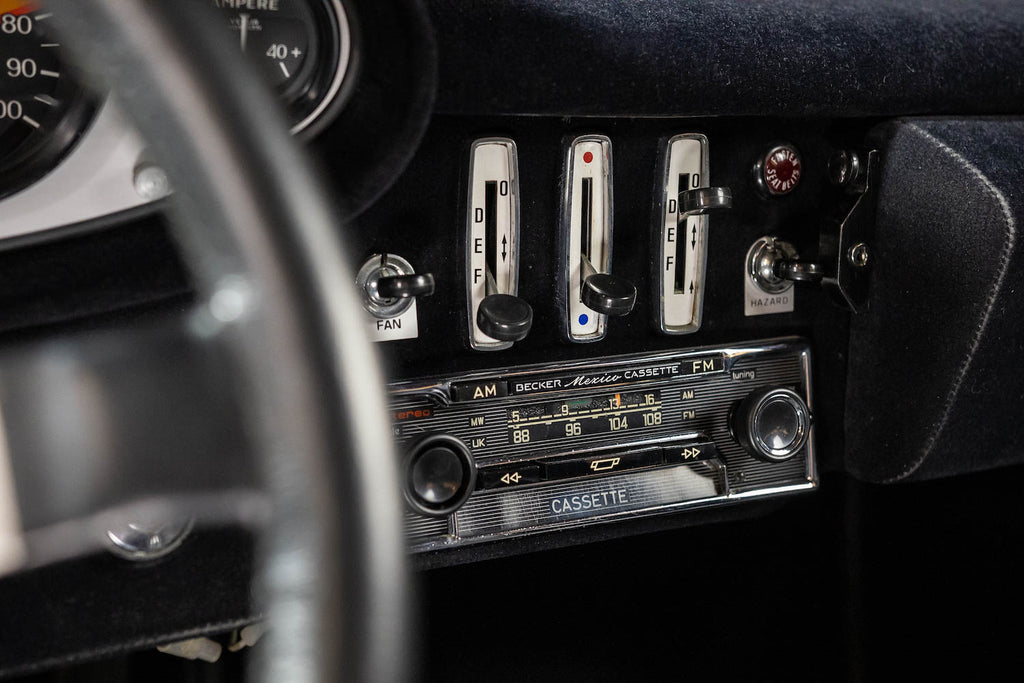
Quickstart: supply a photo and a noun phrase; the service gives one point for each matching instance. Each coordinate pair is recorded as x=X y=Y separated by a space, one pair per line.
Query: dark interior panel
x=899 y=556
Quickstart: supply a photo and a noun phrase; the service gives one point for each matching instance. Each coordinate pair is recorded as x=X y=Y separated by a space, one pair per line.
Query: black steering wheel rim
x=255 y=223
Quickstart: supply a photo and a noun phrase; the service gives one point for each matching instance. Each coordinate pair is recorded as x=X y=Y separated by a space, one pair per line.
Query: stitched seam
x=979 y=330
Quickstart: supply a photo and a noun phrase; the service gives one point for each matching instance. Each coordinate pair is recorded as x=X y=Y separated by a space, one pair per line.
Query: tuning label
x=586 y=230
x=492 y=230
x=683 y=236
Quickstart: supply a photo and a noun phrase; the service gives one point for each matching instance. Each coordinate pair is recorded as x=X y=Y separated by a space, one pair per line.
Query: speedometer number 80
x=13 y=23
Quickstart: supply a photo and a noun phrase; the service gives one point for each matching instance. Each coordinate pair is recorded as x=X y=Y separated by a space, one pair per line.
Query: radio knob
x=772 y=424
x=439 y=475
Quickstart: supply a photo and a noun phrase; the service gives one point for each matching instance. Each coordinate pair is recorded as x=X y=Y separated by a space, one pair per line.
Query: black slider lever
x=502 y=316
x=605 y=293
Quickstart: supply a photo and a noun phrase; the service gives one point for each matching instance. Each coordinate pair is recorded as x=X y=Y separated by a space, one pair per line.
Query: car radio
x=504 y=453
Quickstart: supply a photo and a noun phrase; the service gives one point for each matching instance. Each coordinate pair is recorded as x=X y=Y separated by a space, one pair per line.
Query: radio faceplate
x=549 y=447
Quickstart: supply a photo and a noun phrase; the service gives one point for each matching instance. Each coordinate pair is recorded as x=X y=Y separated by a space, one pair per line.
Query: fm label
x=703 y=366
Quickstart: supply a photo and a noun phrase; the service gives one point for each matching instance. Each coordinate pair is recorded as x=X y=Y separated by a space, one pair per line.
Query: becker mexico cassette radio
x=503 y=453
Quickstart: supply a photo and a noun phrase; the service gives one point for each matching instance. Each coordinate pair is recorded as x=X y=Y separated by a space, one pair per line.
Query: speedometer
x=303 y=48
x=42 y=109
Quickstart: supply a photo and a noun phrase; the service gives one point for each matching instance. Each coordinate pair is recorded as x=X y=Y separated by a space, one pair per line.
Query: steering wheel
x=260 y=236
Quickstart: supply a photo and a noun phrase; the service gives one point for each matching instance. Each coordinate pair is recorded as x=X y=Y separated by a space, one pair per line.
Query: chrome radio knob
x=440 y=473
x=772 y=424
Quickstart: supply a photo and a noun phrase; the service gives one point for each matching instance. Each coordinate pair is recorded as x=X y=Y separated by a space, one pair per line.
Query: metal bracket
x=843 y=246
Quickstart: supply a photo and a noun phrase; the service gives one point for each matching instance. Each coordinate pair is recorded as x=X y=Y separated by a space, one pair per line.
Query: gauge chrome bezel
x=341 y=35
x=33 y=161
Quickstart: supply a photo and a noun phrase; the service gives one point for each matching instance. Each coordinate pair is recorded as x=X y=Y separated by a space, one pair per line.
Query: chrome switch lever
x=389 y=285
x=774 y=265
x=703 y=200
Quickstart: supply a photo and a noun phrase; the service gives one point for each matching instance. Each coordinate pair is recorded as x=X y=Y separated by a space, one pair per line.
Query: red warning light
x=781 y=170
x=588 y=157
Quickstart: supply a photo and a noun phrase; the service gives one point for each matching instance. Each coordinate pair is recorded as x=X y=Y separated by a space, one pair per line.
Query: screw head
x=859 y=255
x=151 y=182
x=148 y=539
x=844 y=168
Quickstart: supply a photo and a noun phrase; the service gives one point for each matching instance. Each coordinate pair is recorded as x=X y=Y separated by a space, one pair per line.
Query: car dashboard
x=699 y=321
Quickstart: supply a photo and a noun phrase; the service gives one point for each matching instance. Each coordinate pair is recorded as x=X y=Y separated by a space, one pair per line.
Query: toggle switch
x=389 y=285
x=682 y=222
x=497 y=316
x=591 y=293
x=773 y=265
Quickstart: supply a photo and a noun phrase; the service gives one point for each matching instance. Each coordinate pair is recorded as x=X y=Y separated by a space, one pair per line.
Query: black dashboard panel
x=796 y=58
x=689 y=592
x=423 y=217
